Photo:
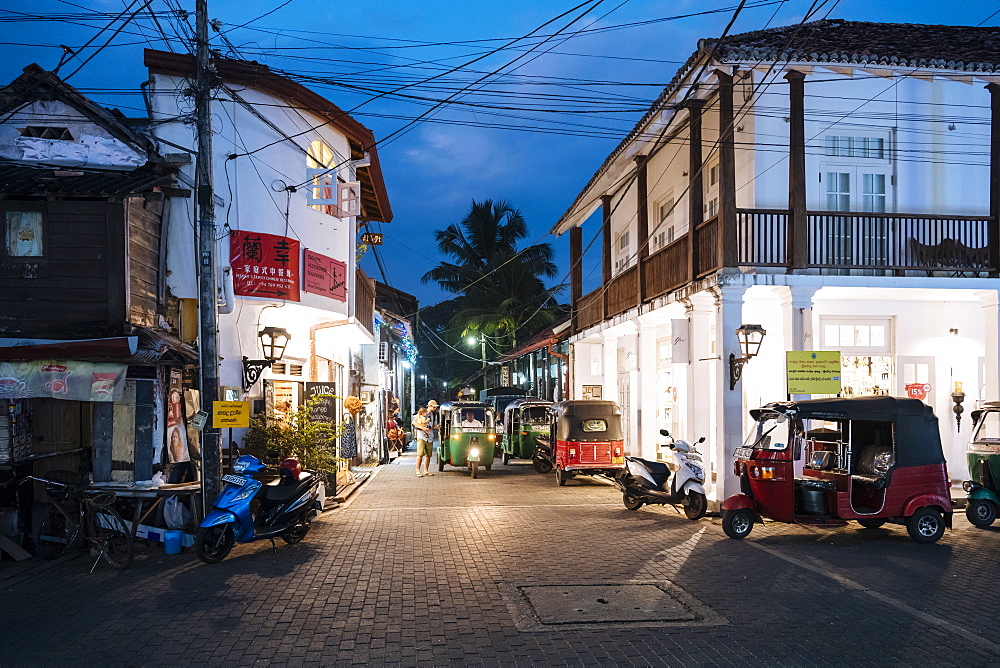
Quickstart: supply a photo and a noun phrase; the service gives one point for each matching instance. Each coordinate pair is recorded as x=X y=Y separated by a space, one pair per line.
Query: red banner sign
x=918 y=390
x=325 y=276
x=264 y=265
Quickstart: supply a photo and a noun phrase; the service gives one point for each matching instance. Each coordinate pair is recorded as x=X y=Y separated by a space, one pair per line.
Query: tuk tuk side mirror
x=975 y=415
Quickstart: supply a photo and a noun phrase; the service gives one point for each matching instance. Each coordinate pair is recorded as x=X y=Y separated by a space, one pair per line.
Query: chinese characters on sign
x=325 y=276
x=264 y=265
x=813 y=372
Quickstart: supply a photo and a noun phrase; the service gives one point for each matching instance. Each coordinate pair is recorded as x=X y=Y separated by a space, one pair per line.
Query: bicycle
x=75 y=515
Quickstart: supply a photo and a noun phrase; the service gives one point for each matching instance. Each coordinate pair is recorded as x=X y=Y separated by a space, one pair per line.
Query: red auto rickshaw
x=870 y=459
x=586 y=439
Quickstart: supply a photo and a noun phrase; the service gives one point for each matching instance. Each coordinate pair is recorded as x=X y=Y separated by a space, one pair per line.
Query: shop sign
x=813 y=371
x=264 y=265
x=69 y=380
x=324 y=276
x=322 y=398
x=918 y=390
x=230 y=414
x=372 y=238
x=504 y=376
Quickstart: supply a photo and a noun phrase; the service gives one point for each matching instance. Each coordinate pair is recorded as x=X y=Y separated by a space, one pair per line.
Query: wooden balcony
x=892 y=244
x=364 y=301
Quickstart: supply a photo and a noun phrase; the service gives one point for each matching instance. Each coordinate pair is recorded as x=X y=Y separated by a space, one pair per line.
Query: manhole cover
x=539 y=607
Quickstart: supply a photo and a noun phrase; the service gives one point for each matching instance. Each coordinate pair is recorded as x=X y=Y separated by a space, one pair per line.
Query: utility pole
x=208 y=343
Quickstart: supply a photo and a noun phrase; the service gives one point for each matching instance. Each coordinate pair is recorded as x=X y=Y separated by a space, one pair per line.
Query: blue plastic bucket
x=172 y=541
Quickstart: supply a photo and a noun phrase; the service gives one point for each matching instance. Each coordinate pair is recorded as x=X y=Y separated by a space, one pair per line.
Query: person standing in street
x=421 y=426
x=435 y=419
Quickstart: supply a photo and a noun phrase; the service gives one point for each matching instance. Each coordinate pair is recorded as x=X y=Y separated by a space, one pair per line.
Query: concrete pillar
x=609 y=382
x=796 y=311
x=729 y=419
x=991 y=310
x=700 y=380
x=647 y=400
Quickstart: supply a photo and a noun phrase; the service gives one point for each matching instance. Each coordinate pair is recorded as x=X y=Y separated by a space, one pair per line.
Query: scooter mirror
x=701 y=440
x=664 y=432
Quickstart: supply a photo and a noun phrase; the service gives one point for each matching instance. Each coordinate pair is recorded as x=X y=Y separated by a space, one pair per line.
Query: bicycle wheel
x=111 y=536
x=56 y=533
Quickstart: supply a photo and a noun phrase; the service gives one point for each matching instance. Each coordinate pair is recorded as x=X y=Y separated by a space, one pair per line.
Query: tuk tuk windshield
x=988 y=428
x=770 y=433
x=472 y=418
x=535 y=415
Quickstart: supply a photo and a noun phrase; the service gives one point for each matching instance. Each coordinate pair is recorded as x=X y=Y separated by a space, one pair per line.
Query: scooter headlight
x=246 y=493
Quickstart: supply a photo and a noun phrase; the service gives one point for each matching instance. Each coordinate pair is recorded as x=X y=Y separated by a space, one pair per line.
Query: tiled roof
x=861 y=43
x=834 y=41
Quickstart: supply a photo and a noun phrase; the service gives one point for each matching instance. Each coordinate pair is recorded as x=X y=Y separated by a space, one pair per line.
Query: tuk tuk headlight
x=969 y=485
x=491 y=437
x=474 y=452
x=454 y=437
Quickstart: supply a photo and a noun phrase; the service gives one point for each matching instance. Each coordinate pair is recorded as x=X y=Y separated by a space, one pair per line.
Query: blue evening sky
x=538 y=161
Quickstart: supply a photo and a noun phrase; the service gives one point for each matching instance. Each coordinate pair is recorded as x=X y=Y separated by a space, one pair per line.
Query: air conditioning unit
x=384 y=351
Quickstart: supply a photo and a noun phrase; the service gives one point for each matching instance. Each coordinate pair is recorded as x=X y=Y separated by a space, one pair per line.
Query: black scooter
x=541 y=459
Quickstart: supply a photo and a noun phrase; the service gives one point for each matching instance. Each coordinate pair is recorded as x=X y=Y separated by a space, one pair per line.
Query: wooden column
x=728 y=240
x=605 y=249
x=642 y=222
x=993 y=232
x=575 y=270
x=798 y=240
x=696 y=193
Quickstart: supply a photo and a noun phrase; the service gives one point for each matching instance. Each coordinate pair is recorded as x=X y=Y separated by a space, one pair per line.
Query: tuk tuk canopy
x=587 y=420
x=917 y=440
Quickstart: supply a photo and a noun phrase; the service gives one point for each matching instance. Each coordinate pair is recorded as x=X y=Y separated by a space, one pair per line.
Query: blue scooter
x=286 y=507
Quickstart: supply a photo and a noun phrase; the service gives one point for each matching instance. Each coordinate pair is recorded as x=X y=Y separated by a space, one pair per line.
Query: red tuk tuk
x=586 y=439
x=870 y=459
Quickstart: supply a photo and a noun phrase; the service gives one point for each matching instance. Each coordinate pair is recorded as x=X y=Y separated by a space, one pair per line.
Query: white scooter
x=644 y=481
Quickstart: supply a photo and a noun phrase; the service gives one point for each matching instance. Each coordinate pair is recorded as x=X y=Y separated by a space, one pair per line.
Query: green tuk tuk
x=468 y=436
x=984 y=466
x=523 y=421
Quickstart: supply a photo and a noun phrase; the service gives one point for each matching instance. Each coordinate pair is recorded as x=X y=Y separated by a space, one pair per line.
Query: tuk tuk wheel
x=489 y=467
x=925 y=526
x=474 y=466
x=695 y=506
x=541 y=465
x=981 y=512
x=871 y=523
x=631 y=503
x=440 y=464
x=561 y=477
x=506 y=458
x=737 y=523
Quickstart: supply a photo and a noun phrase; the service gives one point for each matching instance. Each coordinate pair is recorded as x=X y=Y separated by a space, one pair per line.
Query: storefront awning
x=114 y=348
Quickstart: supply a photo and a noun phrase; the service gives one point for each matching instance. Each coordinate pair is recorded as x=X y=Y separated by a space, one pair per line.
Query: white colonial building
x=831 y=183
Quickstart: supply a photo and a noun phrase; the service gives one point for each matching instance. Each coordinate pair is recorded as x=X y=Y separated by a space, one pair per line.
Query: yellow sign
x=230 y=414
x=813 y=371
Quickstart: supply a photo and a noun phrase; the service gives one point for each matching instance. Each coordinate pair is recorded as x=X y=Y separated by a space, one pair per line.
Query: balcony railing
x=835 y=242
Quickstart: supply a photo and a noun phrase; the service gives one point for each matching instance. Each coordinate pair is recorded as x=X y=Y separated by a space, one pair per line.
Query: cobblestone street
x=437 y=570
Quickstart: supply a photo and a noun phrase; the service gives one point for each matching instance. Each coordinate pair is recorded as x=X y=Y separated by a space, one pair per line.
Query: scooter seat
x=280 y=491
x=655 y=468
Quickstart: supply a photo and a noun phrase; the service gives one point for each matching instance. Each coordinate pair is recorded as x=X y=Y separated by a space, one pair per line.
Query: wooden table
x=192 y=490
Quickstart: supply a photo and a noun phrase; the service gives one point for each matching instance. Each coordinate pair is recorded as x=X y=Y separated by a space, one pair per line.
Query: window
x=321 y=168
x=873 y=193
x=23 y=234
x=46 y=132
x=623 y=241
x=857 y=335
x=713 y=175
x=663 y=232
x=838 y=191
x=855 y=147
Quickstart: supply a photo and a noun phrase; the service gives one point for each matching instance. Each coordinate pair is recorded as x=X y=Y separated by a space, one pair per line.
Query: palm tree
x=500 y=287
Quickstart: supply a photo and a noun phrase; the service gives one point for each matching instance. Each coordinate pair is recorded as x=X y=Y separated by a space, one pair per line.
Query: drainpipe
x=228 y=304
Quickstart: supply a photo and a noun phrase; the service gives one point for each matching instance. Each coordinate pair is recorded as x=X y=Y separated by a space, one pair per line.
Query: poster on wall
x=264 y=265
x=177 y=442
x=324 y=276
x=63 y=379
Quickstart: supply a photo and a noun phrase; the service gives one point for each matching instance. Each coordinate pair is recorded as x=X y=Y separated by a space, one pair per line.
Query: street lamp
x=273 y=341
x=750 y=338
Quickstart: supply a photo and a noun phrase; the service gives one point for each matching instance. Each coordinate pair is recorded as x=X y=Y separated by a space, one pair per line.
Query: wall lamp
x=273 y=340
x=750 y=338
